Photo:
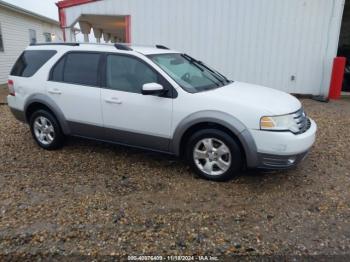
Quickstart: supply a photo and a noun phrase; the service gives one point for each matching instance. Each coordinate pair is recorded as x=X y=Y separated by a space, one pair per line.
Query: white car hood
x=267 y=99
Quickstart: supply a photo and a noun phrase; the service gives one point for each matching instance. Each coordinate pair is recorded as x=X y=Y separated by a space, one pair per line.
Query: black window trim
x=172 y=93
x=102 y=72
x=64 y=56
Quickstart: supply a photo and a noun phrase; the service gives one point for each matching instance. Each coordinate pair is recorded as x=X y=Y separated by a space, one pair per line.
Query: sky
x=42 y=7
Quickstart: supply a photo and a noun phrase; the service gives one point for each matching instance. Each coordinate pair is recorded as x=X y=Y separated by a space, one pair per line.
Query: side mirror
x=152 y=89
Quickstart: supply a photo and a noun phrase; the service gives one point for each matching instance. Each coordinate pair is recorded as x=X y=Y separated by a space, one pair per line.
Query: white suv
x=157 y=99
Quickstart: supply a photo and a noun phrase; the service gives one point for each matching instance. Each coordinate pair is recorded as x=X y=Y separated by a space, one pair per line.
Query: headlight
x=279 y=123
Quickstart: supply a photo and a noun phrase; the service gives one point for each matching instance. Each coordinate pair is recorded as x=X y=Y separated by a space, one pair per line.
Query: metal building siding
x=258 y=41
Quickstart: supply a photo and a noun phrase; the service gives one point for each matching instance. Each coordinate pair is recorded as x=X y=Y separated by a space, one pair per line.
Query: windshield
x=192 y=75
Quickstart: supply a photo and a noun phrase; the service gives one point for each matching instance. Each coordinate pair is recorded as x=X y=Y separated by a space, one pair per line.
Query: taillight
x=11 y=87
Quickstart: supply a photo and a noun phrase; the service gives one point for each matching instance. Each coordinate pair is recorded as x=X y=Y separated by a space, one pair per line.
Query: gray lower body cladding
x=165 y=145
x=154 y=143
x=150 y=142
x=127 y=138
x=268 y=161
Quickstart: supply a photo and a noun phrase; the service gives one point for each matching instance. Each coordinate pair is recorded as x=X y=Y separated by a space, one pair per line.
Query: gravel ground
x=97 y=199
x=3 y=94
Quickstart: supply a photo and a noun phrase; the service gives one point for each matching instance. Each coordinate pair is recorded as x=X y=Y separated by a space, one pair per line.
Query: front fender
x=223 y=119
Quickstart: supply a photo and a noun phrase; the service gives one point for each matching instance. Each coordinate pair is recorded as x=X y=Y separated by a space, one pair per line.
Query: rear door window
x=30 y=62
x=77 y=68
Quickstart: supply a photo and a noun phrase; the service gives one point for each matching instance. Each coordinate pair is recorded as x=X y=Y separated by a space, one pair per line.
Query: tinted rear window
x=30 y=62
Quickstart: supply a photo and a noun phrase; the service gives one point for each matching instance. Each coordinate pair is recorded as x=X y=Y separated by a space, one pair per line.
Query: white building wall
x=15 y=33
x=267 y=42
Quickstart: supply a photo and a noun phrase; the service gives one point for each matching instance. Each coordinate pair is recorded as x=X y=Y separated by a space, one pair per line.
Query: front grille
x=302 y=121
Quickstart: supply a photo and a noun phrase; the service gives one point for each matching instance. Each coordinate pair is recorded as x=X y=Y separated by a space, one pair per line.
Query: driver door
x=128 y=116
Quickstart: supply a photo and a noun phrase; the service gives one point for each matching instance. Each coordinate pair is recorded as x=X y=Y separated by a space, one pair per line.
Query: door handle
x=113 y=100
x=55 y=91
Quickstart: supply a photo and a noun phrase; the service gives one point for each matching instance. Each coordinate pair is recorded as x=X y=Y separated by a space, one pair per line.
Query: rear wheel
x=46 y=130
x=214 y=154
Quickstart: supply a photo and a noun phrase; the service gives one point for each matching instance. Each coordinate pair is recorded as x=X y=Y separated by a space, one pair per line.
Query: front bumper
x=282 y=150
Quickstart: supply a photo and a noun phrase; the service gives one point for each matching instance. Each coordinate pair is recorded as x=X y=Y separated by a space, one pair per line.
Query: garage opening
x=105 y=28
x=344 y=45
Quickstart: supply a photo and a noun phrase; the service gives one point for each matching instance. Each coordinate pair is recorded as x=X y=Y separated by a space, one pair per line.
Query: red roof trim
x=70 y=3
x=62 y=17
x=128 y=29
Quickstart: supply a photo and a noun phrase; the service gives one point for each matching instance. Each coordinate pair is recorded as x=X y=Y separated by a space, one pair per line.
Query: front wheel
x=214 y=154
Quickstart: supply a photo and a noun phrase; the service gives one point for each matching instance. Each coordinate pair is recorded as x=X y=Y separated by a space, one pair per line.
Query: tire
x=45 y=130
x=214 y=155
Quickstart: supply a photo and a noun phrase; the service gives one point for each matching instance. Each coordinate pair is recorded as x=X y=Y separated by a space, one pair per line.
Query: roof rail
x=122 y=47
x=66 y=44
x=162 y=47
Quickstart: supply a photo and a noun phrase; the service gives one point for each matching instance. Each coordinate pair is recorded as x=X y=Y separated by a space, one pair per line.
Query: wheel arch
x=39 y=101
x=221 y=121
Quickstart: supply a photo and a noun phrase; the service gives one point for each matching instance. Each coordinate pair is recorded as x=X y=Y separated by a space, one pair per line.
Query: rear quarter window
x=30 y=62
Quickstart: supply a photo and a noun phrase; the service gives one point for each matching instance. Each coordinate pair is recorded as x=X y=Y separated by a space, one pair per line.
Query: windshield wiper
x=193 y=61
x=216 y=72
x=199 y=66
x=222 y=79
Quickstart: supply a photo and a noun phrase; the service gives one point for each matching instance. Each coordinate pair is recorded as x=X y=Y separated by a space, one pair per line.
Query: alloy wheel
x=212 y=156
x=44 y=130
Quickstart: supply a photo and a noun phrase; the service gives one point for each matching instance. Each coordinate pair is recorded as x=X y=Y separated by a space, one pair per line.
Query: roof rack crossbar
x=122 y=47
x=66 y=44
x=162 y=47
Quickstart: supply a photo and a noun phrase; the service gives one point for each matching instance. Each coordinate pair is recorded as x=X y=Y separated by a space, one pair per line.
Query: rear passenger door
x=74 y=85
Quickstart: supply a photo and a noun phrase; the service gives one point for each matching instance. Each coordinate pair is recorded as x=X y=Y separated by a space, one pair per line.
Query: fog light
x=291 y=160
